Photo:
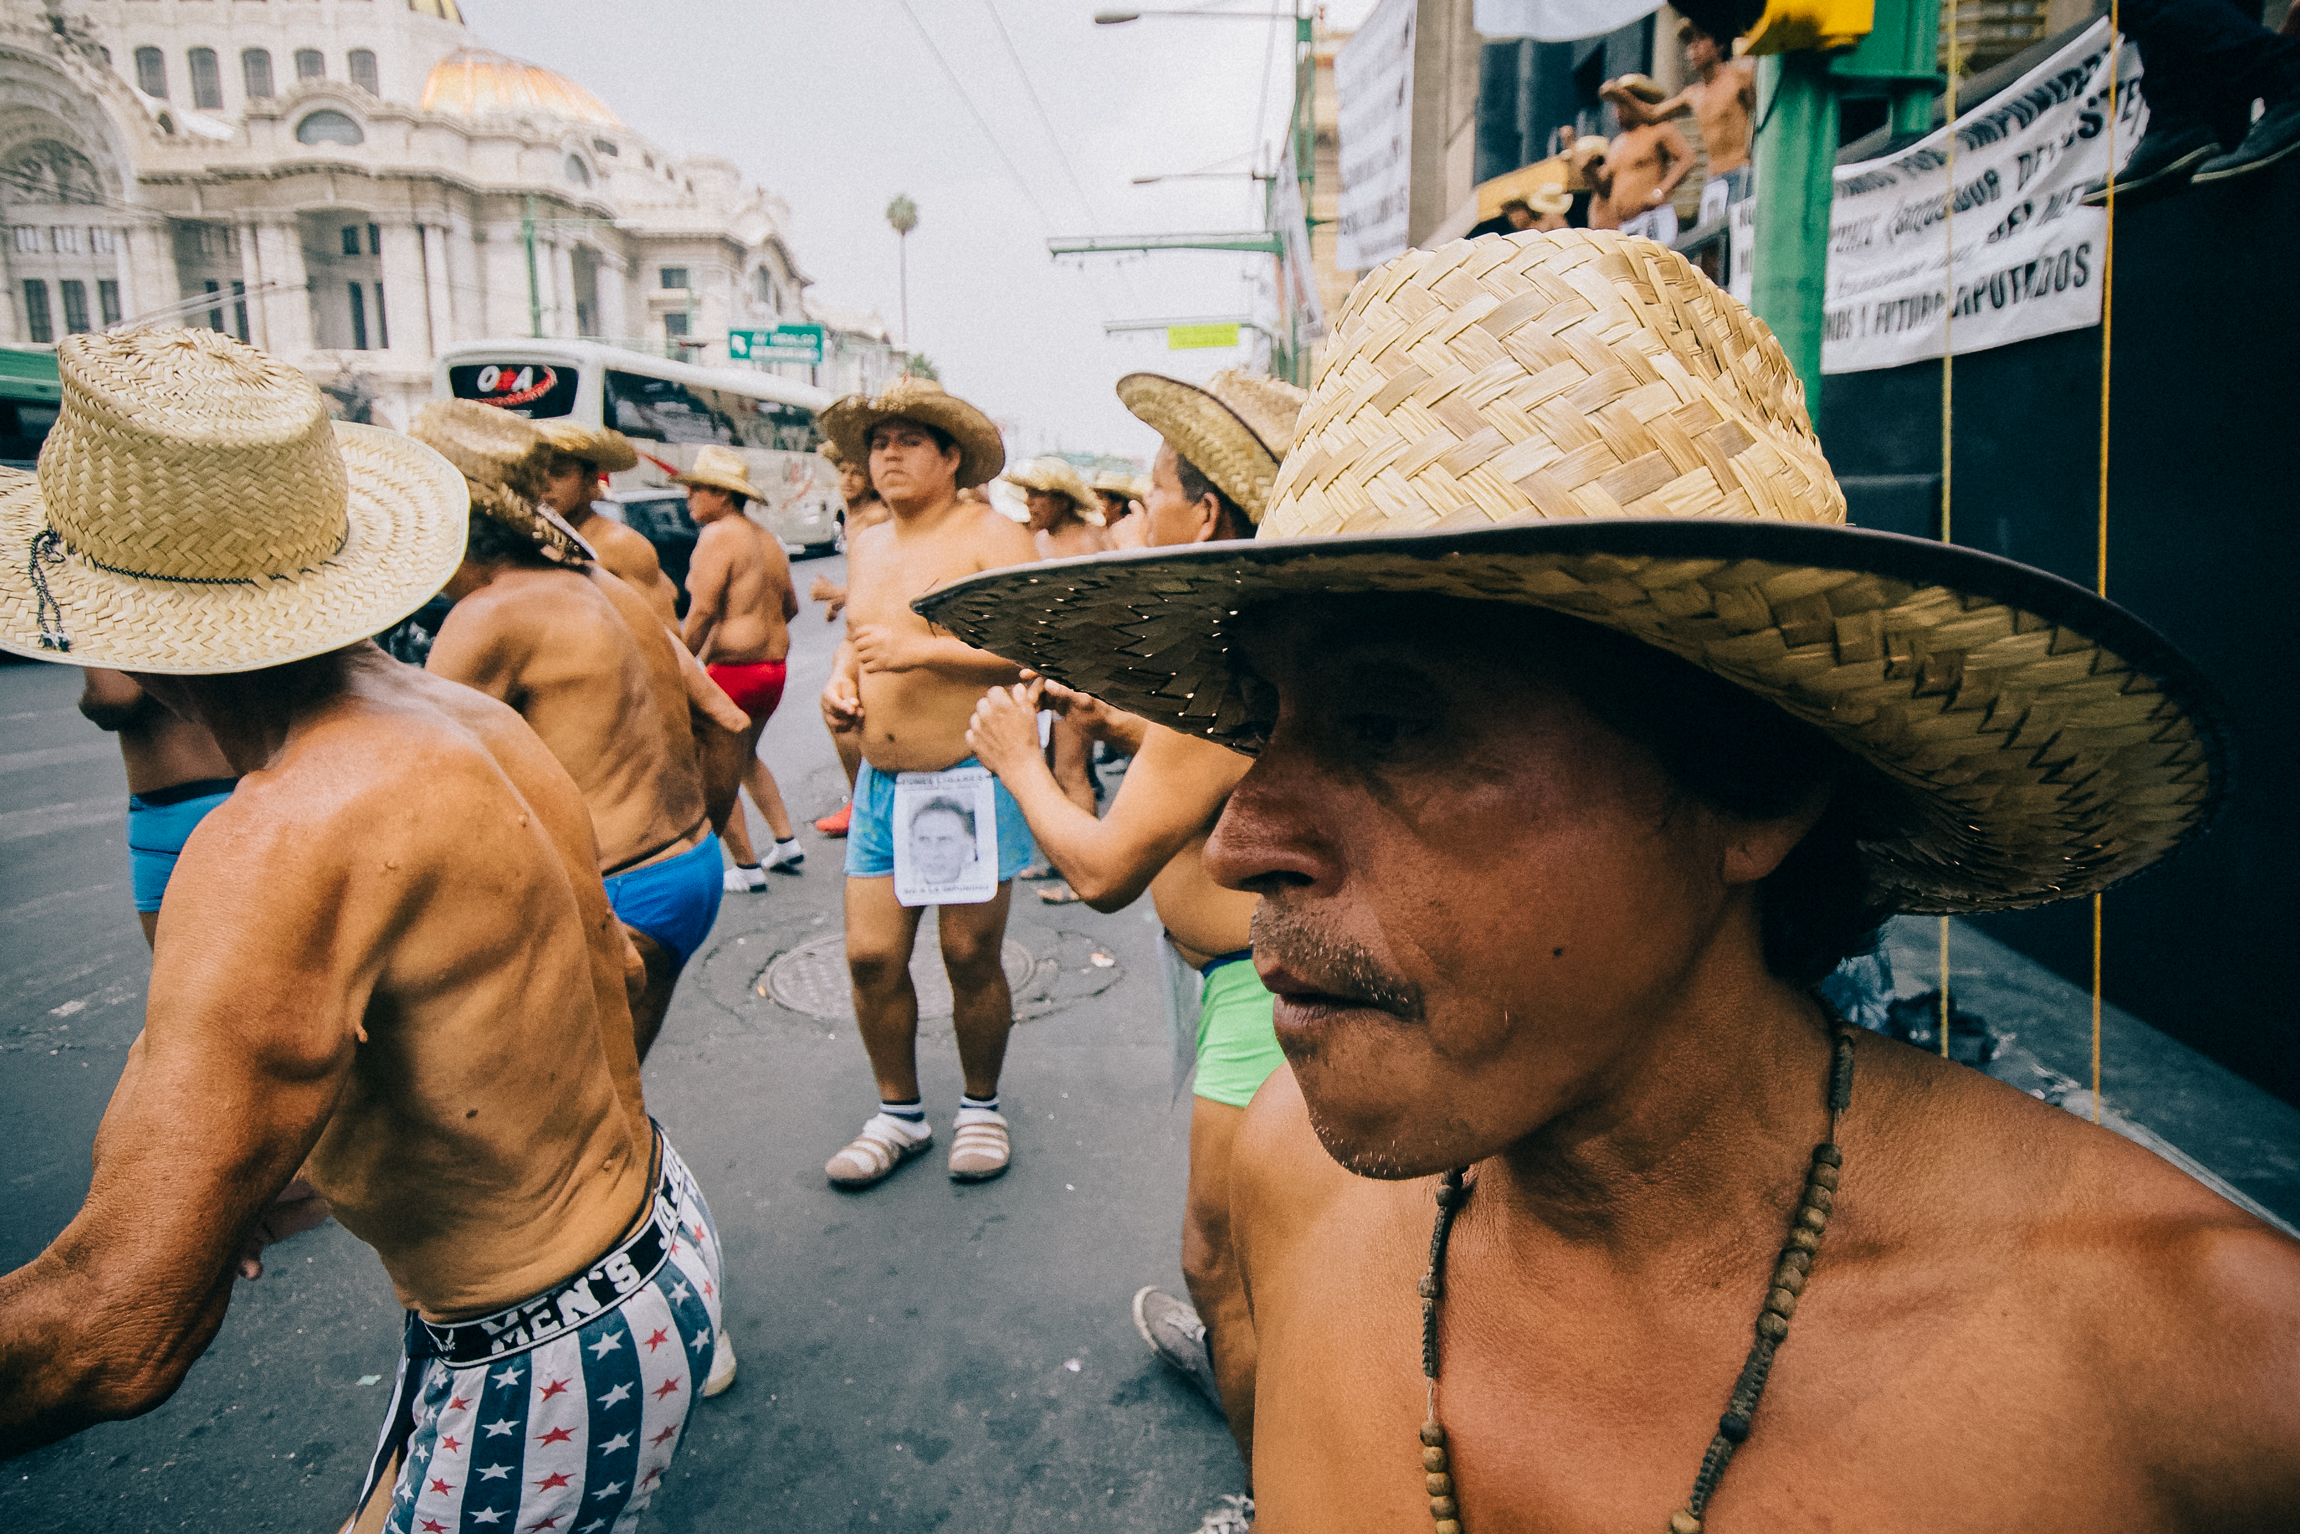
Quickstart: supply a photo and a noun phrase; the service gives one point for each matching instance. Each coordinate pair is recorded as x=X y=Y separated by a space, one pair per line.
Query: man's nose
x=1271 y=835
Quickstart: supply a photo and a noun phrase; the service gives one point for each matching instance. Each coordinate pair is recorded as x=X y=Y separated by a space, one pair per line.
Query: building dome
x=477 y=82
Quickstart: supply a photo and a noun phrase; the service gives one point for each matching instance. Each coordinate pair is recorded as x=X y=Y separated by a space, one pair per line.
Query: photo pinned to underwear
x=945 y=837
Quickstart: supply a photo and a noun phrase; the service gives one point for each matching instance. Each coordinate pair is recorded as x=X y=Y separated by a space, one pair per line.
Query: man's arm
x=249 y=1038
x=1172 y=793
x=781 y=588
x=706 y=590
x=883 y=647
x=110 y=700
x=842 y=694
x=1680 y=154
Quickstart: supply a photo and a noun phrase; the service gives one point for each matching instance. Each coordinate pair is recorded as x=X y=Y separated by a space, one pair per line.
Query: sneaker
x=2161 y=165
x=836 y=824
x=722 y=1365
x=744 y=881
x=786 y=857
x=1178 y=1337
x=1231 y=1515
x=2276 y=135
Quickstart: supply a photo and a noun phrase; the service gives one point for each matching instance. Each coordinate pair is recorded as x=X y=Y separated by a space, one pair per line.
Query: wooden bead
x=1684 y=1523
x=1803 y=1240
x=1433 y=1435
x=1789 y=1278
x=1440 y=1485
x=1442 y=1508
x=1802 y=1261
x=1812 y=1219
x=1826 y=1176
x=1781 y=1303
x=1429 y=1286
x=1828 y=1155
x=1771 y=1326
x=1820 y=1198
x=1448 y=1526
x=1433 y=1461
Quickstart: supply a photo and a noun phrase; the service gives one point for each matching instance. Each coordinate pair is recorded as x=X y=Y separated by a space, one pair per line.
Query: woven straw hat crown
x=1566 y=375
x=503 y=459
x=1233 y=429
x=982 y=449
x=182 y=454
x=1057 y=476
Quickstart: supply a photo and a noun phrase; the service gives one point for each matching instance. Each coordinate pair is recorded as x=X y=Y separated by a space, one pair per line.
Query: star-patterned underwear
x=560 y=1413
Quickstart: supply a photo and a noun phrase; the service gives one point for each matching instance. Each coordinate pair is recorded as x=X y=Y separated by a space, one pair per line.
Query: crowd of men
x=1516 y=736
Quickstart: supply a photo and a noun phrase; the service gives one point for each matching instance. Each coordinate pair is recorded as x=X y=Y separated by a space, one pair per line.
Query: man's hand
x=842 y=705
x=297 y=1208
x=1003 y=734
x=883 y=647
x=829 y=592
x=1095 y=719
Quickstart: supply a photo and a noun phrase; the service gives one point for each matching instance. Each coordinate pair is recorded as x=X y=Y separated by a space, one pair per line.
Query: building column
x=504 y=258
x=561 y=322
x=148 y=274
x=467 y=283
x=406 y=297
x=287 y=310
x=614 y=282
x=252 y=274
x=439 y=301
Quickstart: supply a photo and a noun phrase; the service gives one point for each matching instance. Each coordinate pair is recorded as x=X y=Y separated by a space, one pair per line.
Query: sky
x=836 y=106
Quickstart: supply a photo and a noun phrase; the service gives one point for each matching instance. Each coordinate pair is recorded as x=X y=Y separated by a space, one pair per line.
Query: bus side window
x=657 y=410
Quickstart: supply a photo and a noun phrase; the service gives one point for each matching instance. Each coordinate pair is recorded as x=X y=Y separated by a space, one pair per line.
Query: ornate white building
x=356 y=184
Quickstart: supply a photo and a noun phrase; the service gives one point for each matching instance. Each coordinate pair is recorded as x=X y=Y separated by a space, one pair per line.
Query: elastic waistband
x=566 y=1307
x=177 y=793
x=632 y=865
x=717 y=666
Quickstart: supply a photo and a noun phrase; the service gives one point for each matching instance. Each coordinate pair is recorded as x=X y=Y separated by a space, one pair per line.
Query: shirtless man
x=584 y=661
x=910 y=690
x=1644 y=165
x=582 y=460
x=740 y=604
x=405 y=977
x=1542 y=902
x=863 y=510
x=1155 y=837
x=1722 y=96
x=1066 y=518
x=176 y=775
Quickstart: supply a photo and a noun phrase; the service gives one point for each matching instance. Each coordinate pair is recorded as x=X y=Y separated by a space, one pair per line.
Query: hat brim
x=981 y=449
x=407 y=510
x=726 y=482
x=2048 y=742
x=1213 y=437
x=1088 y=506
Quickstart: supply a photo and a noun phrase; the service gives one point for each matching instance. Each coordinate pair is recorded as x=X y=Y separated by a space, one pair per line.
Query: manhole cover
x=812 y=978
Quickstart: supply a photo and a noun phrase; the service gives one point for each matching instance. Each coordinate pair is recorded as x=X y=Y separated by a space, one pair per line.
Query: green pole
x=534 y=293
x=1796 y=155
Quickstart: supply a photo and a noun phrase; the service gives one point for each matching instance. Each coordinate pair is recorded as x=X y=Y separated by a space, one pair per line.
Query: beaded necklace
x=1789 y=1277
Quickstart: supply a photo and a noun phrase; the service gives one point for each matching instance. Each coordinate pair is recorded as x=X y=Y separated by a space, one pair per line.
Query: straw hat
x=1132 y=486
x=1055 y=476
x=721 y=468
x=982 y=452
x=601 y=446
x=830 y=450
x=502 y=458
x=1582 y=422
x=1550 y=197
x=1640 y=86
x=1234 y=430
x=196 y=511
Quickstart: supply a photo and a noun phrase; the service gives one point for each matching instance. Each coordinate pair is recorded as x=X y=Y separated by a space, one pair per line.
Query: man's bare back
x=552 y=644
x=1985 y=1249
x=628 y=555
x=740 y=600
x=915 y=702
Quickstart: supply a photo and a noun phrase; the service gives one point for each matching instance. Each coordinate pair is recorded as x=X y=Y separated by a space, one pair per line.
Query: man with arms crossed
x=739 y=610
x=1155 y=837
x=176 y=775
x=582 y=458
x=863 y=510
x=403 y=977
x=1542 y=902
x=909 y=690
x=584 y=661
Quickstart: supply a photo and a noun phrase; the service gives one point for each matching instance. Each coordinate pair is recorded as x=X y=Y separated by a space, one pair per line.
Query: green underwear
x=1237 y=1038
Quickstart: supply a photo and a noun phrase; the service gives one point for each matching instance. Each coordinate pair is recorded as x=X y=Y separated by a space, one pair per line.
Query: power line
x=1030 y=87
x=968 y=101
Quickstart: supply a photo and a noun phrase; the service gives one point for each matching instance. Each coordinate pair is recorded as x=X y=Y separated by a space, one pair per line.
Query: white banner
x=1297 y=275
x=1374 y=118
x=2019 y=255
x=1555 y=21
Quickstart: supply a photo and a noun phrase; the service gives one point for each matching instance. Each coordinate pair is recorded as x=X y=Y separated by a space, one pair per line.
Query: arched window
x=256 y=69
x=152 y=73
x=207 y=80
x=363 y=75
x=310 y=64
x=577 y=171
x=766 y=286
x=325 y=127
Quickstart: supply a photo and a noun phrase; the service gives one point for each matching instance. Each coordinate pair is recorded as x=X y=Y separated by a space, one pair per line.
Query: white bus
x=668 y=410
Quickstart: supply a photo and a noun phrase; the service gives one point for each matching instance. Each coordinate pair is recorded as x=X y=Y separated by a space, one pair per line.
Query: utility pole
x=902 y=216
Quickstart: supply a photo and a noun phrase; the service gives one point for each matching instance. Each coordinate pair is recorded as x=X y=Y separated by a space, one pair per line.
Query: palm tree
x=902 y=216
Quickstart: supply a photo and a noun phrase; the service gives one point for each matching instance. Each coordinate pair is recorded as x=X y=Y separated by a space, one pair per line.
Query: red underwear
x=756 y=687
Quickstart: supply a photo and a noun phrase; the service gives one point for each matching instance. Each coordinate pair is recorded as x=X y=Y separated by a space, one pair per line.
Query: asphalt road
x=922 y=1356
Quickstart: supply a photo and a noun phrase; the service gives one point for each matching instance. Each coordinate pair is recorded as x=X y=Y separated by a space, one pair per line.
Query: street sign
x=783 y=343
x=1195 y=338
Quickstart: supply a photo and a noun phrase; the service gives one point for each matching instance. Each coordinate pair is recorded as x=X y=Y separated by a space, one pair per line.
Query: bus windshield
x=536 y=390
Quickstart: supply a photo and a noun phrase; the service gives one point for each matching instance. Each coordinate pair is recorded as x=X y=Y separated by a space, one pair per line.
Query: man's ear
x=1209 y=518
x=1754 y=848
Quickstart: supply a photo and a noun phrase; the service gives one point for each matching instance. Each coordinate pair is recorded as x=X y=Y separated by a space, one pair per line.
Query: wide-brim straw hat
x=603 y=447
x=1111 y=482
x=721 y=468
x=1582 y=422
x=981 y=450
x=1057 y=476
x=1234 y=429
x=1640 y=86
x=195 y=511
x=503 y=459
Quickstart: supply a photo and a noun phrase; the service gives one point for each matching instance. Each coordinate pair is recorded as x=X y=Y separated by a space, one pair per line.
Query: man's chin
x=1390 y=1141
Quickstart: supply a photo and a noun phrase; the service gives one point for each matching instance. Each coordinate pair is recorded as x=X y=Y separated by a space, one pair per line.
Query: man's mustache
x=1333 y=964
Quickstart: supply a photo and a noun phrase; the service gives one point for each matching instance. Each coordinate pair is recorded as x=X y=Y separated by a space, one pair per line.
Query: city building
x=356 y=184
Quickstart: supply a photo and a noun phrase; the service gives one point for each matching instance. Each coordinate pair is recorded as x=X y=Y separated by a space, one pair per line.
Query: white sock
x=907 y=1119
x=977 y=1110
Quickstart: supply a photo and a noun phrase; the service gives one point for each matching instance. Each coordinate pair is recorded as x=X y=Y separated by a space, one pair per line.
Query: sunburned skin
x=396 y=960
x=1502 y=941
x=739 y=597
x=567 y=489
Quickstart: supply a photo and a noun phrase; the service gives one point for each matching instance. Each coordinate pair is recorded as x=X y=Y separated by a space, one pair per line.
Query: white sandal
x=979 y=1146
x=875 y=1153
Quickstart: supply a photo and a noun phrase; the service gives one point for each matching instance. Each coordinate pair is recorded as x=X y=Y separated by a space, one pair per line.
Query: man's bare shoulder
x=997 y=541
x=1282 y=1181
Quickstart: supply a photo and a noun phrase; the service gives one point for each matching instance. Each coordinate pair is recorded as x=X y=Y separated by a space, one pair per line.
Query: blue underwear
x=674 y=901
x=159 y=823
x=870 y=833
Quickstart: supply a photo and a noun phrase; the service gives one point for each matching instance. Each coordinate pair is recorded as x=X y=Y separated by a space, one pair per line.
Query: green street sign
x=742 y=345
x=783 y=343
x=1194 y=338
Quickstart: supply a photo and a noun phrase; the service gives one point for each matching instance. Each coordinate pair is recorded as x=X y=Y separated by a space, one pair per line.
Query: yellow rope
x=1948 y=393
x=2100 y=557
